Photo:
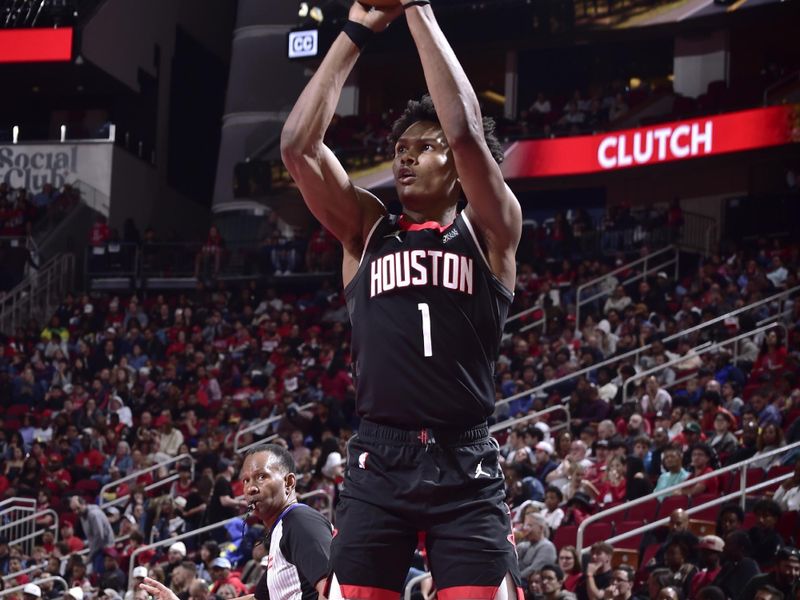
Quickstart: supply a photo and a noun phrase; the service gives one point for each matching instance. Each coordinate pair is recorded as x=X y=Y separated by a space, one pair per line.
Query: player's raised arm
x=492 y=206
x=348 y=212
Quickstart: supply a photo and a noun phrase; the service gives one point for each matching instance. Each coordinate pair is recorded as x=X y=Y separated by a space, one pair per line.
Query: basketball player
x=428 y=293
x=299 y=536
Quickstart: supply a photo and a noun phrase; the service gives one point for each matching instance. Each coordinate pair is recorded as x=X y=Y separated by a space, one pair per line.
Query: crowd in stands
x=630 y=436
x=22 y=214
x=278 y=251
x=113 y=384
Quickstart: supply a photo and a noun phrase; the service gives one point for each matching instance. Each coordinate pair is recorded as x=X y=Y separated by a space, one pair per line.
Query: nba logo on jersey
x=270 y=560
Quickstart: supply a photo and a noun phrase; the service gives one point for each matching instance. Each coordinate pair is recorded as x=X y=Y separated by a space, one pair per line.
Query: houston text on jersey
x=420 y=267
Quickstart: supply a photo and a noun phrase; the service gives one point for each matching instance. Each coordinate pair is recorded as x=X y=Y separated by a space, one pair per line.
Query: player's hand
x=376 y=19
x=158 y=590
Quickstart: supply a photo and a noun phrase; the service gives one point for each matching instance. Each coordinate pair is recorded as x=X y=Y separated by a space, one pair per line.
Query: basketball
x=381 y=3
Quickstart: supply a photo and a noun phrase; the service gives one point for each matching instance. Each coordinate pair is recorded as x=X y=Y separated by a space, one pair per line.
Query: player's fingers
x=155 y=584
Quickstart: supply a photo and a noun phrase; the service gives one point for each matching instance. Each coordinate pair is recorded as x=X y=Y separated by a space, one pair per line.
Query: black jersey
x=299 y=551
x=427 y=315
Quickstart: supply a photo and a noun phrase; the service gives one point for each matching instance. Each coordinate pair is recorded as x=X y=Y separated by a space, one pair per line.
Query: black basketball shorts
x=443 y=487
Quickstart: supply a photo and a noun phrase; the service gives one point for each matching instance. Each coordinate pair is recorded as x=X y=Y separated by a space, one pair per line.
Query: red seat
x=750 y=520
x=565 y=536
x=707 y=514
x=774 y=472
x=789 y=527
x=754 y=476
x=596 y=532
x=672 y=503
x=17 y=410
x=613 y=517
x=631 y=543
x=643 y=512
x=648 y=555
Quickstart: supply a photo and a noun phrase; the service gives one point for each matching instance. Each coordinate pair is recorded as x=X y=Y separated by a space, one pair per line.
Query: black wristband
x=416 y=3
x=359 y=34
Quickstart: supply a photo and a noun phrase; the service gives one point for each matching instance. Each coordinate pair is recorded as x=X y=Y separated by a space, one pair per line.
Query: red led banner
x=666 y=142
x=35 y=45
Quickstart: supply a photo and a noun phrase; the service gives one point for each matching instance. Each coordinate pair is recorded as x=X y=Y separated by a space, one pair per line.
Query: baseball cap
x=692 y=427
x=334 y=460
x=221 y=563
x=546 y=446
x=76 y=593
x=711 y=542
x=178 y=547
x=788 y=553
x=140 y=572
x=32 y=589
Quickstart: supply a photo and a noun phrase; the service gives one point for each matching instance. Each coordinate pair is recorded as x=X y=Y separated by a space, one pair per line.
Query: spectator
x=674 y=473
x=544 y=463
x=702 y=455
x=210 y=252
x=766 y=541
x=710 y=548
x=729 y=519
x=223 y=504
x=737 y=566
x=570 y=563
x=536 y=550
x=598 y=573
x=769 y=438
x=784 y=578
x=723 y=442
x=622 y=580
x=221 y=575
x=552 y=584
x=788 y=494
x=676 y=559
x=656 y=399
x=100 y=233
x=552 y=512
x=112 y=577
x=96 y=527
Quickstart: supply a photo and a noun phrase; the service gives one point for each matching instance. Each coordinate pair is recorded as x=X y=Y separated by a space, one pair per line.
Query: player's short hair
x=282 y=455
x=423 y=110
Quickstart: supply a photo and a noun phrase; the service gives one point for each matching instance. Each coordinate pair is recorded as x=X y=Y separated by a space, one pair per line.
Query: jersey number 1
x=427 y=345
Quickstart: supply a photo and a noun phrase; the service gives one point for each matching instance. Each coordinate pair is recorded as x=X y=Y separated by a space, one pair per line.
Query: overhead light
x=303 y=11
x=316 y=14
x=634 y=83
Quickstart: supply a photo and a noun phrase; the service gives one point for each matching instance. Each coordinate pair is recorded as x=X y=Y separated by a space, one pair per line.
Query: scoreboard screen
x=36 y=45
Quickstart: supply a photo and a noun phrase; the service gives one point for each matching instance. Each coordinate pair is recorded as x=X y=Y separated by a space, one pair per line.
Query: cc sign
x=303 y=43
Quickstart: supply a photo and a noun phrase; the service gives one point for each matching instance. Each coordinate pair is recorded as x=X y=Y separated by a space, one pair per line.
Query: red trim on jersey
x=520 y=594
x=364 y=592
x=469 y=592
x=407 y=225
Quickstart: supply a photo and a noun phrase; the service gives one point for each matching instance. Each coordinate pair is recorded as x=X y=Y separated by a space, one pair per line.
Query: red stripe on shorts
x=468 y=592
x=363 y=592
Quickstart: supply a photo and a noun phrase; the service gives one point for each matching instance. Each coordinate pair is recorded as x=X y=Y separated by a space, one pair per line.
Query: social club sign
x=31 y=166
x=679 y=140
x=21 y=167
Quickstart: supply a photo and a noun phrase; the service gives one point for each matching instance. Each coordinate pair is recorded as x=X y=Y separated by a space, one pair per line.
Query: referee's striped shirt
x=299 y=549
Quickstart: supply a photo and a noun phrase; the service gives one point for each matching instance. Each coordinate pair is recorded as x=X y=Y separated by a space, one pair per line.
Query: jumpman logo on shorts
x=480 y=472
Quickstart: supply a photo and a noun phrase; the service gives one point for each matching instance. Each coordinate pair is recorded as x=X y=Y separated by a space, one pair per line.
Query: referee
x=299 y=538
